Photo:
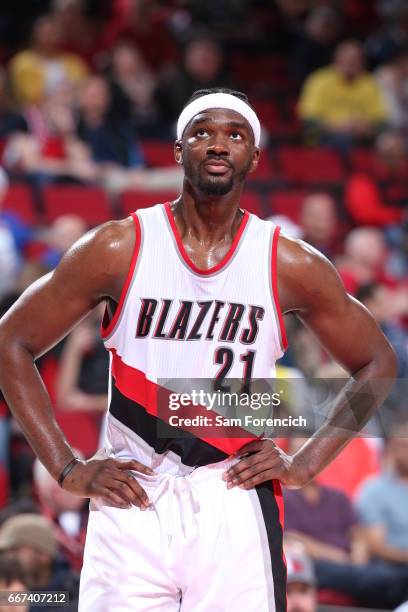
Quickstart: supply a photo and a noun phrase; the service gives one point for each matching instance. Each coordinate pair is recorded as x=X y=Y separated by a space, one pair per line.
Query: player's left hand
x=264 y=461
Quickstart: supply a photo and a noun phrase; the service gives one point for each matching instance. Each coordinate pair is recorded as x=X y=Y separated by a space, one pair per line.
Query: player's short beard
x=214 y=186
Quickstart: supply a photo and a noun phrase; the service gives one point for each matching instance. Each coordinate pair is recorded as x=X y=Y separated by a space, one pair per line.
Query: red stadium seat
x=158 y=153
x=268 y=114
x=19 y=200
x=310 y=166
x=287 y=203
x=356 y=462
x=81 y=428
x=251 y=201
x=265 y=170
x=90 y=203
x=362 y=160
x=133 y=200
x=366 y=161
x=278 y=123
x=4 y=486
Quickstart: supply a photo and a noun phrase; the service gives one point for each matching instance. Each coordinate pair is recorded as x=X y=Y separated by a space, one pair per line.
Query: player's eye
x=201 y=132
x=236 y=136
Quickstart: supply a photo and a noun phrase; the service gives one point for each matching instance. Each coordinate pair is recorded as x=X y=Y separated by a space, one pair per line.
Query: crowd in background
x=89 y=95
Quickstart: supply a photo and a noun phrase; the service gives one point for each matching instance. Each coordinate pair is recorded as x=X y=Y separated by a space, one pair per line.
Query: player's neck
x=209 y=219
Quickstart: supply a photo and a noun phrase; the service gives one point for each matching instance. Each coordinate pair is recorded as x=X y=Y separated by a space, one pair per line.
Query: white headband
x=219 y=100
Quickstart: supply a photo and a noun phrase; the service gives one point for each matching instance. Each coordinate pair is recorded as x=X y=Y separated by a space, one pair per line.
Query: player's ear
x=178 y=150
x=255 y=159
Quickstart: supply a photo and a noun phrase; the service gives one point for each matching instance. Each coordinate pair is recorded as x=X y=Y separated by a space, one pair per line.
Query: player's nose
x=218 y=147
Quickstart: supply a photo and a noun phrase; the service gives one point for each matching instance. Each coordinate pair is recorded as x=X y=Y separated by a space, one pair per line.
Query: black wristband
x=67 y=470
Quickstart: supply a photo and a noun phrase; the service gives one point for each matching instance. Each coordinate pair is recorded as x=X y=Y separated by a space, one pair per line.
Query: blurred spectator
x=31 y=539
x=80 y=34
x=319 y=222
x=41 y=69
x=12 y=578
x=9 y=256
x=387 y=307
x=232 y=21
x=147 y=25
x=323 y=520
x=393 y=33
x=82 y=381
x=342 y=104
x=378 y=199
x=383 y=503
x=316 y=44
x=10 y=120
x=59 y=237
x=110 y=139
x=203 y=67
x=364 y=260
x=66 y=511
x=311 y=358
x=393 y=81
x=133 y=87
x=52 y=151
x=295 y=9
x=301 y=580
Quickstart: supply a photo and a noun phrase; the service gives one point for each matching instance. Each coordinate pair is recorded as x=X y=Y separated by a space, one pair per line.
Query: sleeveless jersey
x=177 y=321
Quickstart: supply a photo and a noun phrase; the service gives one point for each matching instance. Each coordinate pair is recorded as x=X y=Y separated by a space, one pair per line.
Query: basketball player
x=192 y=290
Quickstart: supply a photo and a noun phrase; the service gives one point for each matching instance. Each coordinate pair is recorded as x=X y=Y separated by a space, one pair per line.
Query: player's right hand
x=109 y=479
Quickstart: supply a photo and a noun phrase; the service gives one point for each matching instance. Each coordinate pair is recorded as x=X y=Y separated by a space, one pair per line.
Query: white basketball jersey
x=174 y=318
x=176 y=321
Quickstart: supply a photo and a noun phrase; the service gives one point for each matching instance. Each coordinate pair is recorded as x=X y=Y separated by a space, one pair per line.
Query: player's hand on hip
x=264 y=461
x=111 y=480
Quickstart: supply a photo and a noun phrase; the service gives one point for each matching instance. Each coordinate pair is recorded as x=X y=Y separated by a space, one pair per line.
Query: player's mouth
x=218 y=167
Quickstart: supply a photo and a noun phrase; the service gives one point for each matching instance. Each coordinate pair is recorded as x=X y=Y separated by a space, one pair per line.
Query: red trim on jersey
x=133 y=383
x=187 y=259
x=107 y=330
x=274 y=271
x=277 y=489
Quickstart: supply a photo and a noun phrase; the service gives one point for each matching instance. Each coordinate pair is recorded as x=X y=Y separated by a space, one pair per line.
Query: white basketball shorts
x=200 y=548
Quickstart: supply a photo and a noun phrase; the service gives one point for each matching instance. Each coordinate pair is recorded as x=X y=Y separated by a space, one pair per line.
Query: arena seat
x=365 y=161
x=3 y=142
x=133 y=200
x=81 y=428
x=356 y=462
x=4 y=486
x=265 y=170
x=90 y=203
x=268 y=114
x=19 y=200
x=362 y=160
x=331 y=597
x=278 y=119
x=287 y=203
x=158 y=153
x=251 y=201
x=311 y=166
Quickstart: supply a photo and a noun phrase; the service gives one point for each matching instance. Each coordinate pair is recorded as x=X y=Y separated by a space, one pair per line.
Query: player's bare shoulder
x=304 y=275
x=102 y=256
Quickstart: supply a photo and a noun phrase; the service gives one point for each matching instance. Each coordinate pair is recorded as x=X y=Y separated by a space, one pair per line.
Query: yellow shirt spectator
x=331 y=99
x=32 y=76
x=40 y=70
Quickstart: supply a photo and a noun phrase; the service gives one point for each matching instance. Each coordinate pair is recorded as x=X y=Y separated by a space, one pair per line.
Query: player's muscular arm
x=93 y=269
x=310 y=287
